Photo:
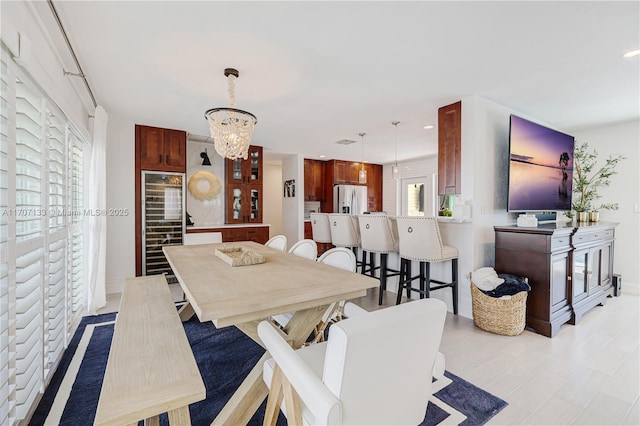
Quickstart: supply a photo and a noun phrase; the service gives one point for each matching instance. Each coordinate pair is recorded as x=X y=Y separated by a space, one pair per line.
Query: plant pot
x=583 y=216
x=594 y=216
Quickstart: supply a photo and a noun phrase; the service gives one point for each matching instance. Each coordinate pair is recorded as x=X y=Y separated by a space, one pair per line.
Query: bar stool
x=420 y=240
x=378 y=234
x=321 y=230
x=345 y=232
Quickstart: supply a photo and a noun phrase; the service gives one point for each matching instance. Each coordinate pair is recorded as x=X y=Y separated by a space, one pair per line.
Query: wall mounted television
x=540 y=167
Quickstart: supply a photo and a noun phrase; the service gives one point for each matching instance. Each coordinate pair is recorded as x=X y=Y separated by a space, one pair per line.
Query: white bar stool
x=345 y=232
x=379 y=235
x=321 y=230
x=420 y=240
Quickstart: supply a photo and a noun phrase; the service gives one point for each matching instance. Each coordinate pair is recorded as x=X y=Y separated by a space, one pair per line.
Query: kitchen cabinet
x=244 y=203
x=592 y=268
x=374 y=187
x=314 y=180
x=259 y=234
x=345 y=172
x=243 y=188
x=449 y=149
x=245 y=171
x=161 y=149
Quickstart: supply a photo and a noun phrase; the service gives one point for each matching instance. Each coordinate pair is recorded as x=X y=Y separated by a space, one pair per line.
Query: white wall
x=293 y=207
x=121 y=245
x=273 y=199
x=205 y=212
x=621 y=138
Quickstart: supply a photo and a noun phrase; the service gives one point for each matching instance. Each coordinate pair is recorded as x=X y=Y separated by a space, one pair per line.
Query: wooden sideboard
x=258 y=233
x=569 y=267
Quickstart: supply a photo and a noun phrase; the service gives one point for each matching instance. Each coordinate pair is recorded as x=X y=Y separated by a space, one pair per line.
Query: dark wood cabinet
x=259 y=234
x=345 y=172
x=569 y=269
x=243 y=188
x=592 y=263
x=245 y=171
x=374 y=187
x=314 y=180
x=244 y=203
x=161 y=149
x=449 y=149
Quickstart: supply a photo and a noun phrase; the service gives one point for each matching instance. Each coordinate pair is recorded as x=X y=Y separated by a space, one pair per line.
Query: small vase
x=594 y=216
x=582 y=216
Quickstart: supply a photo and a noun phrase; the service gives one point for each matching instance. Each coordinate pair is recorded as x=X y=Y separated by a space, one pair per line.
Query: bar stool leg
x=401 y=280
x=407 y=266
x=372 y=264
x=454 y=288
x=422 y=281
x=363 y=265
x=427 y=279
x=383 y=276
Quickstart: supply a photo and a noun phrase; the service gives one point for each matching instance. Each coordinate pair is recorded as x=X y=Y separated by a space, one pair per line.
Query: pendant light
x=362 y=174
x=395 y=170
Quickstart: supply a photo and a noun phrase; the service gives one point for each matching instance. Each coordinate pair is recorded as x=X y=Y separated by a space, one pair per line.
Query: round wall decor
x=204 y=185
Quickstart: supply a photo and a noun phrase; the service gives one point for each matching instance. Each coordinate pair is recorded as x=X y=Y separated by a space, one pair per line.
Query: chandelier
x=231 y=128
x=362 y=174
x=395 y=170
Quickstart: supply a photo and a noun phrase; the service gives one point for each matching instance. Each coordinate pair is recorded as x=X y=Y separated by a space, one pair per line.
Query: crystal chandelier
x=362 y=174
x=395 y=170
x=231 y=128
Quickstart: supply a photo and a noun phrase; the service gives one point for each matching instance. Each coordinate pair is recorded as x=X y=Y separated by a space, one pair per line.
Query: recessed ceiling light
x=428 y=126
x=632 y=53
x=322 y=156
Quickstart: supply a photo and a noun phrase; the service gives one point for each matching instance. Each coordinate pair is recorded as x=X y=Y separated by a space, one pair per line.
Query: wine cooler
x=163 y=219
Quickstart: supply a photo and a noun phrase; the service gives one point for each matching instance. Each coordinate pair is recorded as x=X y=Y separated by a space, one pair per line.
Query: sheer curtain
x=98 y=222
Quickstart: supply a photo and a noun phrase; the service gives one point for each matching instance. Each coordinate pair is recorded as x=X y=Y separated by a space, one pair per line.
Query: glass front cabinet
x=244 y=188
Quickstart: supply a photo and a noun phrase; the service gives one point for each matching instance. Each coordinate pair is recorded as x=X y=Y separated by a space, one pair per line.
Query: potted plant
x=588 y=180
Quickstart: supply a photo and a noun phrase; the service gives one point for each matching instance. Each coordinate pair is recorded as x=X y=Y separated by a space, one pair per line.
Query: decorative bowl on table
x=239 y=256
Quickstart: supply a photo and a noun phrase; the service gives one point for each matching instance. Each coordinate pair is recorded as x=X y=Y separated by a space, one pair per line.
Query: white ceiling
x=318 y=72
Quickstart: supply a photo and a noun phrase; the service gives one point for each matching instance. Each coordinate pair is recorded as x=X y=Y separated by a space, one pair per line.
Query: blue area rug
x=225 y=356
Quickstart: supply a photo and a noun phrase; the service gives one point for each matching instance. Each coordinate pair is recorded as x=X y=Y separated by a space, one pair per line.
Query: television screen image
x=540 y=167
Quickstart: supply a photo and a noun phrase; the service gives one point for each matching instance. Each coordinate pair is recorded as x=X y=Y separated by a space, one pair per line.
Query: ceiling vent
x=345 y=142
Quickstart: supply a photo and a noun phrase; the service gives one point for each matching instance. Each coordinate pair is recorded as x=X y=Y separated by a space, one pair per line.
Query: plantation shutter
x=76 y=236
x=57 y=207
x=29 y=247
x=7 y=292
x=41 y=238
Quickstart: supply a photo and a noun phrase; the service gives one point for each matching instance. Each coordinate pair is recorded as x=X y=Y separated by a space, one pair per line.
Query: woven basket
x=499 y=316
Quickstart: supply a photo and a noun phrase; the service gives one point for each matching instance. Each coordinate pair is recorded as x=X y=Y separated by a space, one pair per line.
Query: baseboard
x=115 y=286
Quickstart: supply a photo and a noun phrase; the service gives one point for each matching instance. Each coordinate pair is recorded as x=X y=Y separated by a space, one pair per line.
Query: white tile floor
x=587 y=374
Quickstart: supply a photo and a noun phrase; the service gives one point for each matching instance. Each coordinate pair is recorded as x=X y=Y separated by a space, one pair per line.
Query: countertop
x=227 y=225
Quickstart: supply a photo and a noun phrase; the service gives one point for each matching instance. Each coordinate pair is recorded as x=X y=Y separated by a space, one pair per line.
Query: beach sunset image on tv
x=540 y=167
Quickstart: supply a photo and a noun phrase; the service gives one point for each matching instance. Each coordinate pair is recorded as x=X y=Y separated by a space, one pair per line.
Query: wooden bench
x=151 y=368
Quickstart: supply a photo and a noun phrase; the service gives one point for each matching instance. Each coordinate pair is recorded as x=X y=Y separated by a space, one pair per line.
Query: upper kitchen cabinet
x=345 y=172
x=314 y=180
x=374 y=187
x=161 y=149
x=245 y=171
x=449 y=155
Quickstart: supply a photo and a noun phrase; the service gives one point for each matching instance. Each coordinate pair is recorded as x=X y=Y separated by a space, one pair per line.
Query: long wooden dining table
x=243 y=296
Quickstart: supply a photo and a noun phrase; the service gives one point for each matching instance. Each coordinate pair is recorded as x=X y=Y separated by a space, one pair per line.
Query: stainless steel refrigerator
x=163 y=219
x=350 y=199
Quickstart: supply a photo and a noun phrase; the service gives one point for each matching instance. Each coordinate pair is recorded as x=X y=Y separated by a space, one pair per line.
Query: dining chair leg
x=383 y=276
x=454 y=287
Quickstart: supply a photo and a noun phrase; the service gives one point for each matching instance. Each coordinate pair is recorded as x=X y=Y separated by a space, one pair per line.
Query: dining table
x=243 y=296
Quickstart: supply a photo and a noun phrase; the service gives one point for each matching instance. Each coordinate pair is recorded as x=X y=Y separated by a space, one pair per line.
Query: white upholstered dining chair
x=305 y=248
x=361 y=375
x=279 y=242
